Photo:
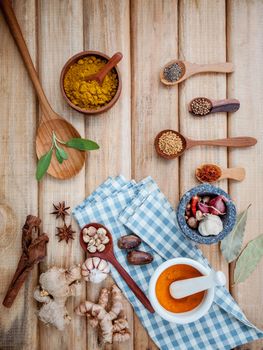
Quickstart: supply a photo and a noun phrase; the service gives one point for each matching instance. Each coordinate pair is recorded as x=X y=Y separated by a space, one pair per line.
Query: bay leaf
x=248 y=259
x=59 y=158
x=82 y=144
x=43 y=164
x=231 y=245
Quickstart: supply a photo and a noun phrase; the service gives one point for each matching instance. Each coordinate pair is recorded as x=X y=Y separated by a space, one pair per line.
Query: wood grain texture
x=149 y=33
x=245 y=48
x=60 y=36
x=200 y=22
x=18 y=325
x=107 y=29
x=154 y=106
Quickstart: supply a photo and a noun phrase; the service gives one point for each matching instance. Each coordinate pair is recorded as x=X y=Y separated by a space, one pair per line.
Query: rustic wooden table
x=149 y=33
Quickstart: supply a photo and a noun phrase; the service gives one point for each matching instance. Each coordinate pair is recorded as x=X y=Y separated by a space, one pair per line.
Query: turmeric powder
x=89 y=94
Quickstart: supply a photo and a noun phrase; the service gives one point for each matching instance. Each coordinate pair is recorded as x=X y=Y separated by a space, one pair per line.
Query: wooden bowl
x=73 y=60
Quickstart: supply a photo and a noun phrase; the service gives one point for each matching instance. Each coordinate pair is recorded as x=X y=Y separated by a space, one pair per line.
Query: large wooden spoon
x=100 y=75
x=108 y=254
x=242 y=141
x=237 y=174
x=50 y=121
x=188 y=69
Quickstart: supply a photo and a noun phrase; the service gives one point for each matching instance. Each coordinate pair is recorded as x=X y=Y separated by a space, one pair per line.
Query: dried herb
x=61 y=154
x=65 y=233
x=248 y=259
x=33 y=251
x=60 y=210
x=231 y=245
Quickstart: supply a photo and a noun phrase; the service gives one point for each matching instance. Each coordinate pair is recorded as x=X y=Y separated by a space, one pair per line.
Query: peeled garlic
x=86 y=239
x=101 y=247
x=92 y=248
x=105 y=240
x=101 y=231
x=91 y=231
x=211 y=225
x=95 y=270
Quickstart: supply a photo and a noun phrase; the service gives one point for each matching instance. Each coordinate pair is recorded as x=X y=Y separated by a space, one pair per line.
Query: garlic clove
x=92 y=248
x=86 y=238
x=101 y=247
x=102 y=265
x=105 y=240
x=84 y=272
x=102 y=231
x=89 y=264
x=97 y=276
x=96 y=262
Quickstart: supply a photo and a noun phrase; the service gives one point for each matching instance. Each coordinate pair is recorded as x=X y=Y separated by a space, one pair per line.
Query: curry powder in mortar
x=172 y=274
x=89 y=94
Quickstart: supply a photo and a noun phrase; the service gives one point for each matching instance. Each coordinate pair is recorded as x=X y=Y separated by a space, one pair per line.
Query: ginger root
x=108 y=315
x=56 y=285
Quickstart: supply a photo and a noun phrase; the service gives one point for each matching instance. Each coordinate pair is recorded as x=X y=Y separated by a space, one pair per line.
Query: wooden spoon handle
x=237 y=174
x=228 y=142
x=15 y=30
x=130 y=282
x=226 y=67
x=110 y=64
x=227 y=105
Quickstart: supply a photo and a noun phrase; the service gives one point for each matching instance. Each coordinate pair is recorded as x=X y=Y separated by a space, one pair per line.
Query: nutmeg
x=129 y=242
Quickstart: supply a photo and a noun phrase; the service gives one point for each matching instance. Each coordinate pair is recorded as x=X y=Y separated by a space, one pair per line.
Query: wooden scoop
x=187 y=143
x=188 y=69
x=99 y=76
x=108 y=254
x=237 y=174
x=50 y=121
x=226 y=105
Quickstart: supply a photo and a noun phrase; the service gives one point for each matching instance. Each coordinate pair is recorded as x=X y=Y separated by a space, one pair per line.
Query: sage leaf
x=63 y=154
x=232 y=243
x=82 y=144
x=248 y=259
x=59 y=158
x=43 y=164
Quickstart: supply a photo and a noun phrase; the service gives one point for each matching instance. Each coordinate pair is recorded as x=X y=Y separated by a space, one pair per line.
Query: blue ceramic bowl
x=228 y=219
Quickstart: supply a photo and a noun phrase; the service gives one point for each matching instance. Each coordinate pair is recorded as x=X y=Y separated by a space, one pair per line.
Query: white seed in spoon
x=86 y=238
x=101 y=247
x=92 y=242
x=91 y=231
x=92 y=248
x=105 y=240
x=97 y=242
x=102 y=231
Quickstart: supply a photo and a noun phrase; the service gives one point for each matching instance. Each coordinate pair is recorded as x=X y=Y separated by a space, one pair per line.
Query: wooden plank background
x=149 y=33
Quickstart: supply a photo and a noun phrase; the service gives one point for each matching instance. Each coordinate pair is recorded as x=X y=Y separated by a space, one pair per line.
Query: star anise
x=65 y=233
x=60 y=210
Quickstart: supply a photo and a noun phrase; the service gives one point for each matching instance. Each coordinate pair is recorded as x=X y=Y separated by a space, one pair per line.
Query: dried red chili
x=208 y=173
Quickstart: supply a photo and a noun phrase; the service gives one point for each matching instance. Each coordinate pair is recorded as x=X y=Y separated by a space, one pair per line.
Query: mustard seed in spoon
x=201 y=106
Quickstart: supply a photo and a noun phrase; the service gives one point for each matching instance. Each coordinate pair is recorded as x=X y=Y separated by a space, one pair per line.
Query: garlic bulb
x=211 y=225
x=95 y=270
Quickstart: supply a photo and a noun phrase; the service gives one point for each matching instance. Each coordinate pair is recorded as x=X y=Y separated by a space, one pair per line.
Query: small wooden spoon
x=226 y=105
x=237 y=174
x=99 y=76
x=108 y=254
x=188 y=69
x=242 y=141
x=50 y=121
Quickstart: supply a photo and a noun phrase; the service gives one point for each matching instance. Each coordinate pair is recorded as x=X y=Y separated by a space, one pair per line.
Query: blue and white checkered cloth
x=125 y=207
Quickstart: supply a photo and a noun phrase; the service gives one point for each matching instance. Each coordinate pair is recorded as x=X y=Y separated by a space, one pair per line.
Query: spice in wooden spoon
x=201 y=106
x=212 y=173
x=170 y=144
x=176 y=71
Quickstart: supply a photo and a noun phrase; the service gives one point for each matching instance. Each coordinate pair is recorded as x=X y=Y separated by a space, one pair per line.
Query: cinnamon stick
x=33 y=251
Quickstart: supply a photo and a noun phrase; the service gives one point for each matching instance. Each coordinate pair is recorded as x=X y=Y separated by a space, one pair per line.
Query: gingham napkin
x=125 y=207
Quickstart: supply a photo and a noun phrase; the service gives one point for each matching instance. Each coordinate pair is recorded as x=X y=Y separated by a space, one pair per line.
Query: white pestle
x=184 y=288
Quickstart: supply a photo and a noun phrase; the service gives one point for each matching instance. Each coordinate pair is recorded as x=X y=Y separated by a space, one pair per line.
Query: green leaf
x=59 y=158
x=248 y=259
x=231 y=245
x=43 y=164
x=82 y=144
x=63 y=154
